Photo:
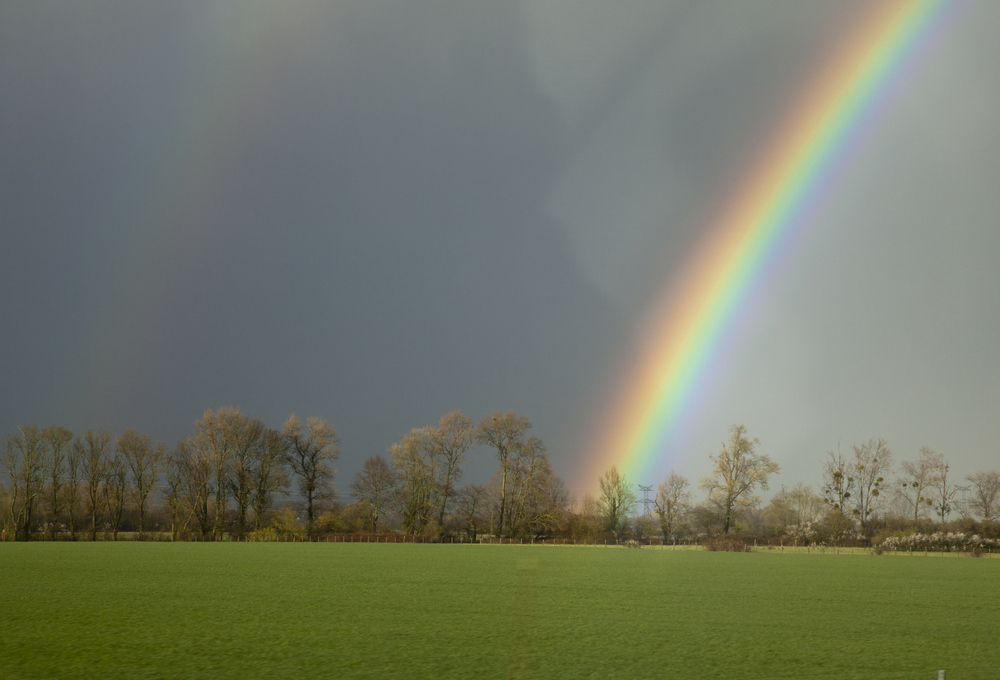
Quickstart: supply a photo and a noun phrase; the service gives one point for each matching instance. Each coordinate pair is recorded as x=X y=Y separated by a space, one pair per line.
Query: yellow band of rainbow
x=696 y=317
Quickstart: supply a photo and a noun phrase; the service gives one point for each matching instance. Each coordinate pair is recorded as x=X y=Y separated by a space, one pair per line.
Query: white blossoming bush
x=803 y=532
x=821 y=533
x=940 y=542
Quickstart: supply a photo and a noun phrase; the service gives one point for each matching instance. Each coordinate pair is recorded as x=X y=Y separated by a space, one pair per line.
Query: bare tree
x=74 y=460
x=215 y=439
x=805 y=506
x=116 y=489
x=174 y=495
x=470 y=506
x=271 y=476
x=617 y=499
x=917 y=479
x=310 y=448
x=247 y=450
x=537 y=498
x=793 y=507
x=94 y=456
x=24 y=459
x=504 y=432
x=143 y=460
x=589 y=520
x=739 y=472
x=57 y=439
x=528 y=472
x=838 y=480
x=195 y=468
x=943 y=492
x=373 y=487
x=872 y=462
x=671 y=503
x=705 y=518
x=548 y=511
x=416 y=479
x=450 y=440
x=985 y=500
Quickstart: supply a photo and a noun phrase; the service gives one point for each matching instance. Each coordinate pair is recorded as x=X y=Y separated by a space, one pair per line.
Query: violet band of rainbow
x=696 y=321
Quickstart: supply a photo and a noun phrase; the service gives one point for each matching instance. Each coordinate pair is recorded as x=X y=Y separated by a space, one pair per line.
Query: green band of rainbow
x=697 y=319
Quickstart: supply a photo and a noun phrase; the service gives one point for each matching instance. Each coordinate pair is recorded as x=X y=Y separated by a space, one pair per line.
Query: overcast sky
x=378 y=212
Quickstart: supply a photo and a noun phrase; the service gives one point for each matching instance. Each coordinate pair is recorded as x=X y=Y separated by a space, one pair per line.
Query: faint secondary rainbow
x=177 y=204
x=696 y=319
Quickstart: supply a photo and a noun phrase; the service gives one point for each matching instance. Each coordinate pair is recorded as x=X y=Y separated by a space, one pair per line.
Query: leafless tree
x=985 y=500
x=416 y=479
x=917 y=480
x=310 y=449
x=57 y=441
x=671 y=503
x=373 y=487
x=505 y=433
x=537 y=498
x=116 y=489
x=215 y=438
x=248 y=447
x=589 y=521
x=739 y=472
x=74 y=460
x=705 y=518
x=271 y=476
x=617 y=499
x=549 y=509
x=528 y=472
x=196 y=471
x=24 y=459
x=449 y=441
x=943 y=492
x=872 y=462
x=7 y=525
x=94 y=456
x=174 y=494
x=469 y=508
x=838 y=480
x=795 y=506
x=143 y=460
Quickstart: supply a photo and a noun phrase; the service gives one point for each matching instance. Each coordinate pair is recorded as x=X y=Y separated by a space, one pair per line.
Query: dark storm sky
x=379 y=212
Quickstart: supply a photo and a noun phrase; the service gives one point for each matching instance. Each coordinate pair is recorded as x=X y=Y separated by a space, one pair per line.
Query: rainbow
x=170 y=214
x=692 y=326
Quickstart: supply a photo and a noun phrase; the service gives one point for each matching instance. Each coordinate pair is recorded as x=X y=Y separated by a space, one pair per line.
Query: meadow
x=244 y=610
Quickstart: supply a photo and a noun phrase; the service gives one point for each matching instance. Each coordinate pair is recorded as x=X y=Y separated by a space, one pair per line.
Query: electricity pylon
x=646 y=500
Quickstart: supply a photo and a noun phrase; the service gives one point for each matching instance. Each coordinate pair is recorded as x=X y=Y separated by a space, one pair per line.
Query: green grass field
x=238 y=610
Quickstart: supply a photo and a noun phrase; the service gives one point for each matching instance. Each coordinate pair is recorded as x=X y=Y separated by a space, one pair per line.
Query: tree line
x=235 y=478
x=222 y=481
x=863 y=495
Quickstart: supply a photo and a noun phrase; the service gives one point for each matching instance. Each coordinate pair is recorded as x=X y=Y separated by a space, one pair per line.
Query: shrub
x=287 y=525
x=266 y=535
x=940 y=542
x=836 y=528
x=726 y=544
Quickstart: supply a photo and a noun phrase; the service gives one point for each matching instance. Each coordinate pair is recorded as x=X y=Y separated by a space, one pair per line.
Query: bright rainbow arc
x=693 y=322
